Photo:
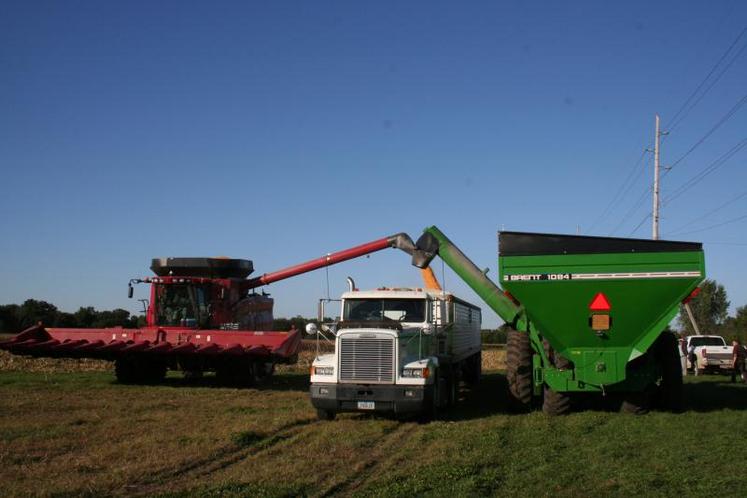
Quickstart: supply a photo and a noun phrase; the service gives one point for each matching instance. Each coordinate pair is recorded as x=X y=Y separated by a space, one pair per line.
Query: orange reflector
x=600 y=303
x=426 y=373
x=600 y=322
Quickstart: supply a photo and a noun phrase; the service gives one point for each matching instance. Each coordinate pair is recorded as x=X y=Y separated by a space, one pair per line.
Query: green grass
x=80 y=433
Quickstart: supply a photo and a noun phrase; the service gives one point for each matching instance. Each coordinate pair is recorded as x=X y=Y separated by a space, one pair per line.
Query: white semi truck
x=398 y=351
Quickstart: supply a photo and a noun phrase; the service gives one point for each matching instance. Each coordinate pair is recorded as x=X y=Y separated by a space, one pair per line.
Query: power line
x=620 y=190
x=638 y=202
x=709 y=213
x=639 y=224
x=632 y=210
x=675 y=121
x=715 y=127
x=733 y=220
x=694 y=180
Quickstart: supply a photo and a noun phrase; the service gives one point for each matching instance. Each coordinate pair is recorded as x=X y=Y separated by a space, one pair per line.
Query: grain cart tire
x=636 y=403
x=667 y=355
x=557 y=403
x=325 y=414
x=519 y=370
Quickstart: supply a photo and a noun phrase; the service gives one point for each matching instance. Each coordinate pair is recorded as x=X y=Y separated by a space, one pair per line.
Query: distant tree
x=735 y=327
x=85 y=317
x=709 y=307
x=9 y=321
x=32 y=312
x=64 y=319
x=114 y=318
x=497 y=336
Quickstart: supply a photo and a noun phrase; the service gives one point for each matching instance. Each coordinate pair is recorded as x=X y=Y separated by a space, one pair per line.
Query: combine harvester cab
x=588 y=313
x=203 y=316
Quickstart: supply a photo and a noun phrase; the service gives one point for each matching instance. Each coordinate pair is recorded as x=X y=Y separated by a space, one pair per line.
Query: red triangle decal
x=600 y=303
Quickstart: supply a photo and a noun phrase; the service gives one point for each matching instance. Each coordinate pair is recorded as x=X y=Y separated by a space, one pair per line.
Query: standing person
x=737 y=360
x=693 y=358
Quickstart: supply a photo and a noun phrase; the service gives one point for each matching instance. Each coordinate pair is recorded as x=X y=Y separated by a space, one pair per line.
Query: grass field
x=68 y=428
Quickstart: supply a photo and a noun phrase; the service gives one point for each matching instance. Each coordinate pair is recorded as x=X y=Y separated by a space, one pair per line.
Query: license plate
x=366 y=405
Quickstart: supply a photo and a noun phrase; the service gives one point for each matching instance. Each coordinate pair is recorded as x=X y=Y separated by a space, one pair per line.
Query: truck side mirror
x=130 y=291
x=311 y=329
x=429 y=329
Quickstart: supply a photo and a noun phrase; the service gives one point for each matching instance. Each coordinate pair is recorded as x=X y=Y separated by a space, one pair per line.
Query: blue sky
x=279 y=131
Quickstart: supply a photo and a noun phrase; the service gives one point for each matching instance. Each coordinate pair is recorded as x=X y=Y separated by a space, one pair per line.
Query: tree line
x=17 y=317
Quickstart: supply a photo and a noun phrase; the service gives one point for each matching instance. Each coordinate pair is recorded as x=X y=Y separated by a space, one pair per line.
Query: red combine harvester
x=204 y=315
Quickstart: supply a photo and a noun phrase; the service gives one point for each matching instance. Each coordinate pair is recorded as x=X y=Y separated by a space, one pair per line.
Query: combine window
x=379 y=310
x=183 y=305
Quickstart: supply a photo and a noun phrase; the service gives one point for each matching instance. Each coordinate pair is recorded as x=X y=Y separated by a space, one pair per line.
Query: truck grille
x=364 y=359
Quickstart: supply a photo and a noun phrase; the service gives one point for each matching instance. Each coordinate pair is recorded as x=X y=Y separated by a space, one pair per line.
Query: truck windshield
x=379 y=310
x=707 y=341
x=182 y=305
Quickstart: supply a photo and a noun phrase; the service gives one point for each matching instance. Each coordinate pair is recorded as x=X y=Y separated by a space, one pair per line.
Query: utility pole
x=655 y=214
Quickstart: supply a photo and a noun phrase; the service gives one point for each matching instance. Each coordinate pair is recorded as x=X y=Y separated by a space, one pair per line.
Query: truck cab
x=396 y=350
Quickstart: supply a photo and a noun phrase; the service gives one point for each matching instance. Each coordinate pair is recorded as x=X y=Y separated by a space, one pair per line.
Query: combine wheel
x=667 y=355
x=155 y=373
x=133 y=371
x=262 y=372
x=519 y=370
x=126 y=371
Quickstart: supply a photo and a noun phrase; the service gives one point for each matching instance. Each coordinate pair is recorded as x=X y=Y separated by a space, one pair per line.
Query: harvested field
x=67 y=428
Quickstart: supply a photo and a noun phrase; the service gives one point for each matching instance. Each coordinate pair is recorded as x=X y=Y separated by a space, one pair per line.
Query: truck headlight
x=417 y=373
x=324 y=370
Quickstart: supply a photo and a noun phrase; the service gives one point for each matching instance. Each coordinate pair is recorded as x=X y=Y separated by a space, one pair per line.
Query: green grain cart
x=587 y=314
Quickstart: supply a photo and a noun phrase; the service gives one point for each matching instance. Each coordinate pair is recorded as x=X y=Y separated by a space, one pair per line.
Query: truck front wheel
x=325 y=414
x=519 y=370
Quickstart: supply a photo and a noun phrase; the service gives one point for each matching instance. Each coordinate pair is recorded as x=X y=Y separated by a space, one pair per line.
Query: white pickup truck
x=398 y=351
x=712 y=354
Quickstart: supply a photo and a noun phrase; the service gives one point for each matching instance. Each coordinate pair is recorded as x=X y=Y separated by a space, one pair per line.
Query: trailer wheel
x=667 y=355
x=325 y=414
x=473 y=369
x=519 y=370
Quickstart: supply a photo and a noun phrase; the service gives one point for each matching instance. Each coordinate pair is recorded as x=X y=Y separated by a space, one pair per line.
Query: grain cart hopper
x=588 y=314
x=201 y=317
